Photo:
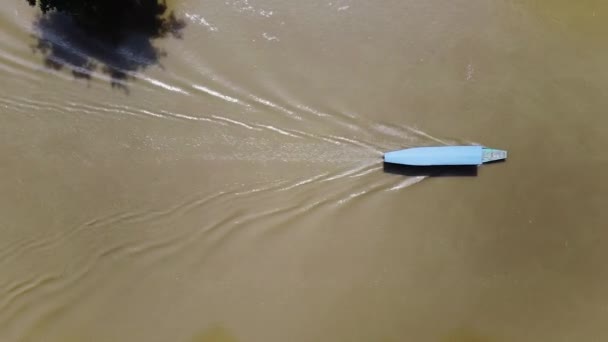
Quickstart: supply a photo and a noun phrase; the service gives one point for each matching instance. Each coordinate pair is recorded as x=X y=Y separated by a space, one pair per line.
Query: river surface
x=228 y=185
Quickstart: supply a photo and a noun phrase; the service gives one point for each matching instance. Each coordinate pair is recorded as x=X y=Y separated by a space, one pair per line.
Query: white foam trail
x=199 y=19
x=312 y=111
x=331 y=141
x=275 y=106
x=269 y=37
x=390 y=131
x=266 y=14
x=215 y=93
x=153 y=114
x=113 y=110
x=194 y=118
x=306 y=181
x=280 y=131
x=347 y=173
x=165 y=86
x=252 y=191
x=366 y=172
x=235 y=122
x=352 y=196
x=408 y=182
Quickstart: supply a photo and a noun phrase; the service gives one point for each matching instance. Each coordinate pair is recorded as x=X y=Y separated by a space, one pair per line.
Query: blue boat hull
x=444 y=155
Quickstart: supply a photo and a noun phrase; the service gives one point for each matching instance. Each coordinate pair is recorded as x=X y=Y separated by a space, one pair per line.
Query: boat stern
x=492 y=155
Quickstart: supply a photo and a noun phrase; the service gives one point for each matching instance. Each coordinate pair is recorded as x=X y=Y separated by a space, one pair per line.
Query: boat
x=445 y=155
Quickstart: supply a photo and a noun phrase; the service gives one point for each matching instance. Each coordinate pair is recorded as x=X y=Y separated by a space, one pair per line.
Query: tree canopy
x=109 y=17
x=113 y=37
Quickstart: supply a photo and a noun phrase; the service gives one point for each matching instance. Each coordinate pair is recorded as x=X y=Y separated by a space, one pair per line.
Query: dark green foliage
x=110 y=18
x=75 y=7
x=108 y=36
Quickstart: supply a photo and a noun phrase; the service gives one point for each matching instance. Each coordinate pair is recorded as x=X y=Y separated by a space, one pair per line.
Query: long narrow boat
x=445 y=155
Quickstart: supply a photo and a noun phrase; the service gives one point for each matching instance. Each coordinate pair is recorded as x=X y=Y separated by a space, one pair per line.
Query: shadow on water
x=432 y=171
x=118 y=42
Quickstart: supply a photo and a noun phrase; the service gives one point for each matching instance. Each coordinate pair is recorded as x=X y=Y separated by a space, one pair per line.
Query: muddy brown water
x=232 y=187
